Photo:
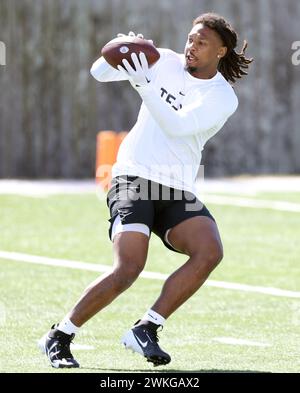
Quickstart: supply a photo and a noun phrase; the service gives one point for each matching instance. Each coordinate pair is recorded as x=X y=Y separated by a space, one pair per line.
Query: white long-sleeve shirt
x=178 y=115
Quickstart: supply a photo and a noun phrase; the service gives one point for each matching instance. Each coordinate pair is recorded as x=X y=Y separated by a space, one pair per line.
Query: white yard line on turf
x=240 y=341
x=208 y=190
x=40 y=260
x=82 y=347
x=254 y=203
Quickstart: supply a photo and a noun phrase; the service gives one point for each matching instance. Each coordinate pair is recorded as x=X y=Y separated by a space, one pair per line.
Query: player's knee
x=124 y=277
x=217 y=254
x=212 y=256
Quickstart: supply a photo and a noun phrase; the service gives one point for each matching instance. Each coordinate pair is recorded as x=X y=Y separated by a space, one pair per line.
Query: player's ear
x=222 y=52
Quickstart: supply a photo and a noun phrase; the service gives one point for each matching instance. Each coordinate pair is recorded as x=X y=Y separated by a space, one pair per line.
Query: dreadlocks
x=233 y=64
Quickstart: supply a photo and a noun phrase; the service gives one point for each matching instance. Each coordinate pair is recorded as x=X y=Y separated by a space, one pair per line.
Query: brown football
x=122 y=47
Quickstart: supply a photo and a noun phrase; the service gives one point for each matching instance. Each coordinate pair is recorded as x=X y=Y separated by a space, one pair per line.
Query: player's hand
x=132 y=34
x=140 y=75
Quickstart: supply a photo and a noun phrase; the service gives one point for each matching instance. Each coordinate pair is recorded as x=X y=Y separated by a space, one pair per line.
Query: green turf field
x=261 y=249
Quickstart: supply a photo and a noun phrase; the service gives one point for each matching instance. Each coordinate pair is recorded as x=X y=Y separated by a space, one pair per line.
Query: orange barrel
x=105 y=157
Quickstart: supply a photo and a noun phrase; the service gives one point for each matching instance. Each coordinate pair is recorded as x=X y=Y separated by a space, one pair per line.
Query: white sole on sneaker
x=42 y=347
x=130 y=342
x=42 y=343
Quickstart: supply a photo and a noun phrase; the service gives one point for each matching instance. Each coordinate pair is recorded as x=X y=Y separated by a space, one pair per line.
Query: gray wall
x=51 y=108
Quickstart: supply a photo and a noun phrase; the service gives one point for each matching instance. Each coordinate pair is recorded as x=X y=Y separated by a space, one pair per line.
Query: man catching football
x=186 y=100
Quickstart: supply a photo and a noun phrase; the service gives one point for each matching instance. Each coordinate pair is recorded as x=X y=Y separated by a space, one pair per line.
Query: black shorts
x=138 y=200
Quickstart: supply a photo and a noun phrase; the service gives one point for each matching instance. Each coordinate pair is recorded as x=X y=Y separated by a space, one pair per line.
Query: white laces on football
x=139 y=76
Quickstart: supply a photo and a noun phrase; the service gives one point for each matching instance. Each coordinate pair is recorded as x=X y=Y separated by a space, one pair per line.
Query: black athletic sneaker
x=56 y=345
x=144 y=340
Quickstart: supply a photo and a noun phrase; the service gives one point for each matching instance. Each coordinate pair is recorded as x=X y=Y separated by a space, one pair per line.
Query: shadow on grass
x=170 y=371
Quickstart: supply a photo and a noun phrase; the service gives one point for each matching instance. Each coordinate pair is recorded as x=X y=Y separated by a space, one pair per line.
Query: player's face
x=202 y=48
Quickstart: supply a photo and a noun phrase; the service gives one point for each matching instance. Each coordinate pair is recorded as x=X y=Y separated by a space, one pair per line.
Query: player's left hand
x=140 y=75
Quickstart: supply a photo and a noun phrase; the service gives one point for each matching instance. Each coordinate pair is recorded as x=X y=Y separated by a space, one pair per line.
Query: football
x=122 y=47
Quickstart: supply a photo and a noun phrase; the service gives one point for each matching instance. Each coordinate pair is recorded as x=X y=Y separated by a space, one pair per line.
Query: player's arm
x=104 y=72
x=202 y=117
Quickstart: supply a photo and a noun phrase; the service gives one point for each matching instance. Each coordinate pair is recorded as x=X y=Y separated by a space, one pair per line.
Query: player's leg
x=131 y=223
x=199 y=238
x=130 y=254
